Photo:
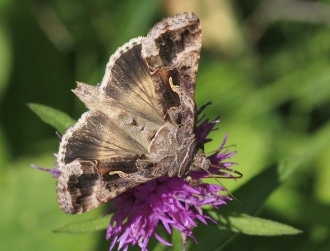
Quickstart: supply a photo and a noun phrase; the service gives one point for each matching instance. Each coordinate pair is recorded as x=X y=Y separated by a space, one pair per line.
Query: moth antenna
x=228 y=171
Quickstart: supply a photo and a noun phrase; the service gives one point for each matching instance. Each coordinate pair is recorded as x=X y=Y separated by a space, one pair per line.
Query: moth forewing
x=141 y=118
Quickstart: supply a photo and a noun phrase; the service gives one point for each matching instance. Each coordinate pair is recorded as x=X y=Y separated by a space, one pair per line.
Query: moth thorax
x=200 y=162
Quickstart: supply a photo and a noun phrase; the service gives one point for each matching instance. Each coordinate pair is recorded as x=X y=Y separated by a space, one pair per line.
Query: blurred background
x=265 y=65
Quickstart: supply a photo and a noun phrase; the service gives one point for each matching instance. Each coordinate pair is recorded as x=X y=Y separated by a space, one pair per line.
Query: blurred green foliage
x=272 y=90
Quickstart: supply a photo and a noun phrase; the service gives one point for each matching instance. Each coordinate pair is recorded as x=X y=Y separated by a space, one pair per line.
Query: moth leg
x=193 y=182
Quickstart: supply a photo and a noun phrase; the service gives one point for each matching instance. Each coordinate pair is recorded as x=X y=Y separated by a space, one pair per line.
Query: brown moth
x=141 y=119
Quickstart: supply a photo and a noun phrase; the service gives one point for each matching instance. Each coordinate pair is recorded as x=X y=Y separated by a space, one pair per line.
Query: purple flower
x=172 y=202
x=54 y=172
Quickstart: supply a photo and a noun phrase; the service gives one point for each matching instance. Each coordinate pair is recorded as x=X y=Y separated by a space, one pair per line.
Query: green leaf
x=246 y=224
x=58 y=119
x=86 y=226
x=5 y=59
x=176 y=240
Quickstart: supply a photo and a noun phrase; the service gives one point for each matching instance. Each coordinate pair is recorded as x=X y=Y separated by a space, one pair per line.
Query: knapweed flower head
x=170 y=202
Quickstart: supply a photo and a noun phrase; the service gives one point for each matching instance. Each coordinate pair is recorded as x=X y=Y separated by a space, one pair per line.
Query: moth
x=140 y=123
